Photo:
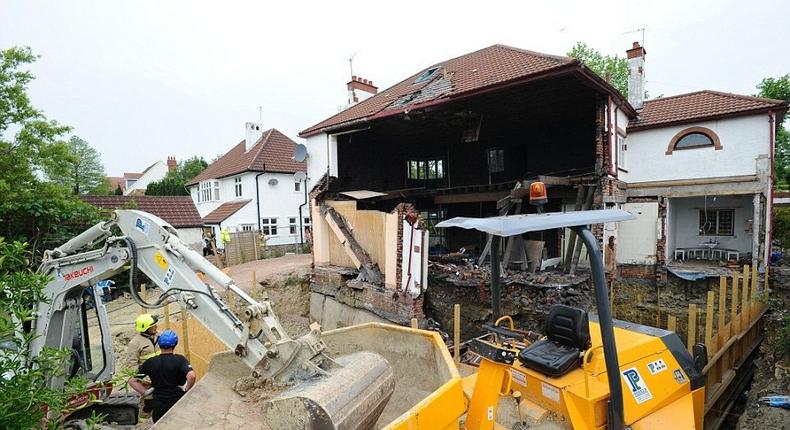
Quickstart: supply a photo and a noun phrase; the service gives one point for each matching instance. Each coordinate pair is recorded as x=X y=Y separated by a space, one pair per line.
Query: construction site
x=502 y=240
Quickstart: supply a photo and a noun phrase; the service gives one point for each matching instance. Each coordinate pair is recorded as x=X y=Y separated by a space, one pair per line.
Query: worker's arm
x=137 y=385
x=191 y=376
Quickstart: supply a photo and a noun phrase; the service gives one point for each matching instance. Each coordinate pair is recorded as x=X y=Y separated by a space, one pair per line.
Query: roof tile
x=274 y=151
x=178 y=211
x=479 y=69
x=224 y=211
x=699 y=105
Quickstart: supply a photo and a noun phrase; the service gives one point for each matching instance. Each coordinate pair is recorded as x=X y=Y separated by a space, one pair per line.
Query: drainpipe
x=301 y=228
x=769 y=207
x=258 y=196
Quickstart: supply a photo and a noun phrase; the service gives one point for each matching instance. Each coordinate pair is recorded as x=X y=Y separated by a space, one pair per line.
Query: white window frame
x=237 y=186
x=622 y=152
x=208 y=191
x=269 y=226
x=246 y=227
x=297 y=186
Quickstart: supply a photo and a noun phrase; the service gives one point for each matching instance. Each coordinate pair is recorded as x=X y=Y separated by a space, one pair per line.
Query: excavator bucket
x=351 y=397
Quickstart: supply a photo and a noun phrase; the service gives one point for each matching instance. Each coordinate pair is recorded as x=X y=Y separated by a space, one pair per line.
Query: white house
x=255 y=187
x=136 y=183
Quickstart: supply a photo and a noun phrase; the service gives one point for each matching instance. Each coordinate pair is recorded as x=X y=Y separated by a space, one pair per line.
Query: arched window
x=693 y=138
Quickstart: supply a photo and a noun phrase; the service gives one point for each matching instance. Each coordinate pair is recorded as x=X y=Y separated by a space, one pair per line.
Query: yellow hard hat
x=144 y=322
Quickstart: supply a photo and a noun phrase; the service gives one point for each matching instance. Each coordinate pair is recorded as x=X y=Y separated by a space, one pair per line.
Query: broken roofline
x=588 y=78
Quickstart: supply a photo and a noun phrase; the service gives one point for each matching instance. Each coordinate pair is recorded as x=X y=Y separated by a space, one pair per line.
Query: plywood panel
x=202 y=344
x=367 y=227
x=636 y=239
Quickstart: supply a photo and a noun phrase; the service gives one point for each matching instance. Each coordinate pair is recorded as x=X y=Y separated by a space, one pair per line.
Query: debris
x=776 y=401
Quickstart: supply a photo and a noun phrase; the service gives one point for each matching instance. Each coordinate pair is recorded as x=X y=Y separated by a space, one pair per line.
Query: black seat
x=568 y=334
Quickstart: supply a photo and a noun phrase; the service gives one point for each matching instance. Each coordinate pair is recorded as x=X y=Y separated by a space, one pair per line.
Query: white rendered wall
x=318 y=149
x=192 y=237
x=157 y=172
x=636 y=239
x=743 y=139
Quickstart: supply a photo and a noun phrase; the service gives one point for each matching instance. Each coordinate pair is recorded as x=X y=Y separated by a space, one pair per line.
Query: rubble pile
x=527 y=297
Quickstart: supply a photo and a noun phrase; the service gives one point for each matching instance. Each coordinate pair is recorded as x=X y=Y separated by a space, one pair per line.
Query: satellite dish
x=300 y=153
x=273 y=182
x=300 y=176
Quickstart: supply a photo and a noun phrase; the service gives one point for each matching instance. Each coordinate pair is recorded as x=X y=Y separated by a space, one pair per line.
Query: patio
x=712 y=230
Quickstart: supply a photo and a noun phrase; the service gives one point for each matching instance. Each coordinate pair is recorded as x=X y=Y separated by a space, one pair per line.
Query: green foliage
x=782 y=225
x=118 y=190
x=616 y=67
x=779 y=88
x=173 y=184
x=84 y=171
x=24 y=394
x=783 y=340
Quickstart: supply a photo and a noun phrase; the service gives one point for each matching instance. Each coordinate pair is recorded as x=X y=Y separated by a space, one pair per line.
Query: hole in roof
x=424 y=76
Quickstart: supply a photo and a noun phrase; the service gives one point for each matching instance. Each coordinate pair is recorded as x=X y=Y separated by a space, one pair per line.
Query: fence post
x=734 y=323
x=745 y=300
x=144 y=296
x=755 y=284
x=254 y=289
x=167 y=315
x=457 y=334
x=692 y=327
x=672 y=323
x=711 y=347
x=414 y=323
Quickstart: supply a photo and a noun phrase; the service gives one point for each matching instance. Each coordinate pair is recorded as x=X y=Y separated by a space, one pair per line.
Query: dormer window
x=693 y=138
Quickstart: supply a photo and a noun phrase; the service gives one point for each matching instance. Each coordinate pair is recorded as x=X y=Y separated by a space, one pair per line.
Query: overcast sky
x=144 y=79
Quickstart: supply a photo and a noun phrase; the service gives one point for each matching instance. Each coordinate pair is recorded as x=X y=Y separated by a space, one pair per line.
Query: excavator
x=587 y=372
x=133 y=240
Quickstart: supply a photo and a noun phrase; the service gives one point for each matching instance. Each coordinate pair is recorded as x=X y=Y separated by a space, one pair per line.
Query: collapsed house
x=466 y=136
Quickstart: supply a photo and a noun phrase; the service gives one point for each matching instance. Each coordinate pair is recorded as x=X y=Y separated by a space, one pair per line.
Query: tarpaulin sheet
x=511 y=225
x=689 y=275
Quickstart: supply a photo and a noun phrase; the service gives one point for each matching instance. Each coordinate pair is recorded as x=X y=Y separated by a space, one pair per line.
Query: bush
x=783 y=340
x=25 y=397
x=782 y=226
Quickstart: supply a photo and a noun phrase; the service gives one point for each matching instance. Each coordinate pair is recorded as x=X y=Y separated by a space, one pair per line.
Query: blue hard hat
x=168 y=339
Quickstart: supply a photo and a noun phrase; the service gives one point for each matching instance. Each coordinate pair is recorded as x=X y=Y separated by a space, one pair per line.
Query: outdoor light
x=537 y=194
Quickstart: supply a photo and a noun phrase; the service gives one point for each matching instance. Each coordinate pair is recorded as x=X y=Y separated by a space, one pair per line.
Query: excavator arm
x=150 y=245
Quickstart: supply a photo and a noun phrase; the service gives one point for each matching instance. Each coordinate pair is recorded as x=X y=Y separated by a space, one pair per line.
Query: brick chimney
x=171 y=163
x=360 y=89
x=252 y=135
x=636 y=75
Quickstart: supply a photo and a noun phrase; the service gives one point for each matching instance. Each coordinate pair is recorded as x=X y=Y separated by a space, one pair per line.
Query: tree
x=174 y=183
x=40 y=212
x=118 y=190
x=614 y=66
x=779 y=89
x=85 y=172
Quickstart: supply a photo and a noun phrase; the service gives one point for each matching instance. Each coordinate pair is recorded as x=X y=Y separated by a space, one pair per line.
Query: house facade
x=463 y=136
x=255 y=186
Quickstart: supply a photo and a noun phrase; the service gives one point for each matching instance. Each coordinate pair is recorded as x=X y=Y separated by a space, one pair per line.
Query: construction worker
x=171 y=376
x=143 y=345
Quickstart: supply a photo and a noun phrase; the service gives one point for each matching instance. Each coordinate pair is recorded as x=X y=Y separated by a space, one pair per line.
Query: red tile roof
x=272 y=153
x=699 y=106
x=224 y=211
x=489 y=67
x=178 y=211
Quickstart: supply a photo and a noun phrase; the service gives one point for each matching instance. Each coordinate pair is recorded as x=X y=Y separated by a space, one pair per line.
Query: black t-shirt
x=167 y=372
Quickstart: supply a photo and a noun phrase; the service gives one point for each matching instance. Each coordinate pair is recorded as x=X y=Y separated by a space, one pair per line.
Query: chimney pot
x=636 y=45
x=353 y=78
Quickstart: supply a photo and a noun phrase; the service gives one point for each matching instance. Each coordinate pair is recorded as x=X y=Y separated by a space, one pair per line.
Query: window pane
x=692 y=140
x=440 y=169
x=307 y=220
x=725 y=227
x=421 y=170
x=707 y=223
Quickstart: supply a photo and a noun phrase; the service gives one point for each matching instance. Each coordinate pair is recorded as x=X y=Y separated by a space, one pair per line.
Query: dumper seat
x=567 y=336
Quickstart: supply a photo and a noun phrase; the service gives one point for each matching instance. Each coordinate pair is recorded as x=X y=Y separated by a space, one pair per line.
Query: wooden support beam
x=571 y=244
x=488 y=196
x=254 y=289
x=734 y=323
x=711 y=346
x=692 y=328
x=185 y=333
x=457 y=335
x=745 y=299
x=577 y=249
x=672 y=323
x=144 y=296
x=166 y=309
x=415 y=323
x=722 y=312
x=554 y=180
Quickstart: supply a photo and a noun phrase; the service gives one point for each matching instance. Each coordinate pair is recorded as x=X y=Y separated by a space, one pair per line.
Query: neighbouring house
x=463 y=136
x=179 y=211
x=255 y=186
x=136 y=183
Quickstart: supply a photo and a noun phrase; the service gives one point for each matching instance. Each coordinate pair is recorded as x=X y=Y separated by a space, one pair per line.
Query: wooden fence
x=730 y=327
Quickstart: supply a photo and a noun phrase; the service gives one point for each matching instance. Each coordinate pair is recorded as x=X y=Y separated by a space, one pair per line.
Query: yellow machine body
x=661 y=389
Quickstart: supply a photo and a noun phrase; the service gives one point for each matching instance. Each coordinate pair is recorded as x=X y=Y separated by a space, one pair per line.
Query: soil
x=772 y=374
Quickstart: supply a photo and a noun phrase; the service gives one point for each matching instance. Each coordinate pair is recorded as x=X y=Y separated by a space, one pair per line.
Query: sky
x=142 y=80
